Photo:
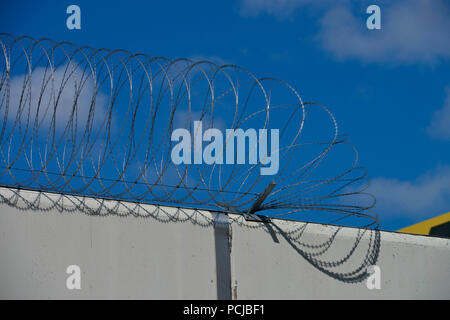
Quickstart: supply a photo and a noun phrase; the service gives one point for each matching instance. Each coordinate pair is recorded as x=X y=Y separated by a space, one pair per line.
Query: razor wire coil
x=98 y=122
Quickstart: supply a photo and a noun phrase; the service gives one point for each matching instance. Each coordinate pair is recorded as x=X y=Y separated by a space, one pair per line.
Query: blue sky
x=389 y=89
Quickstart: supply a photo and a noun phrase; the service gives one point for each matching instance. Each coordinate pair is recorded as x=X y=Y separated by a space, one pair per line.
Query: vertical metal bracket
x=250 y=215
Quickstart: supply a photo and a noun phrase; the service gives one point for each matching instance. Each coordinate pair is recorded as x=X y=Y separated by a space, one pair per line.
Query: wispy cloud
x=51 y=98
x=439 y=127
x=412 y=31
x=428 y=195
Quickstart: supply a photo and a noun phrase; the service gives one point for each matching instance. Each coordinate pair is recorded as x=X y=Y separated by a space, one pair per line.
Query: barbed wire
x=99 y=123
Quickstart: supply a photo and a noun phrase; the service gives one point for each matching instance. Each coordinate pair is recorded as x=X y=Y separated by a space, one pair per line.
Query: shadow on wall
x=359 y=271
x=345 y=254
x=346 y=257
x=25 y=200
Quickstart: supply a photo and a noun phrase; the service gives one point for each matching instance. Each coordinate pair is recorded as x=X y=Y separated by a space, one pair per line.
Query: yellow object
x=424 y=227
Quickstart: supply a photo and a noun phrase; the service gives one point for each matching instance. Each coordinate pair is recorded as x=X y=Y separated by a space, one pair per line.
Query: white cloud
x=426 y=196
x=411 y=31
x=39 y=95
x=440 y=123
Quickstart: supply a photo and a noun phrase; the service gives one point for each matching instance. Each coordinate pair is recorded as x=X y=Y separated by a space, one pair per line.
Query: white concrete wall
x=410 y=266
x=120 y=257
x=127 y=250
